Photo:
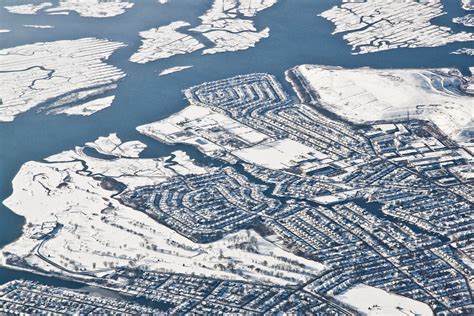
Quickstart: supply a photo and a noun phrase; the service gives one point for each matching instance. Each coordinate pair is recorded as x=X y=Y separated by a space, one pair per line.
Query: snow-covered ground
x=470 y=85
x=28 y=8
x=200 y=119
x=375 y=25
x=229 y=42
x=279 y=154
x=93 y=8
x=112 y=145
x=214 y=133
x=222 y=9
x=364 y=95
x=467 y=51
x=36 y=26
x=373 y=301
x=171 y=70
x=97 y=233
x=221 y=24
x=467 y=4
x=467 y=20
x=86 y=8
x=164 y=42
x=59 y=13
x=35 y=73
x=85 y=109
x=250 y=8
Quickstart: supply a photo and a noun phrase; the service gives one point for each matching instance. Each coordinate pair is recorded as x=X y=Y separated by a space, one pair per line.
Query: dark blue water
x=298 y=36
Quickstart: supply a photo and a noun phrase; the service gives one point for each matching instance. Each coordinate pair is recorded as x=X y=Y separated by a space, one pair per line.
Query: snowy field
x=171 y=70
x=164 y=42
x=222 y=25
x=365 y=95
x=68 y=69
x=372 y=301
x=214 y=134
x=374 y=25
x=86 y=8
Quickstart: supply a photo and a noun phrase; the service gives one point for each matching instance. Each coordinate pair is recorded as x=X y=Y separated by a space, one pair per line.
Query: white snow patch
x=375 y=25
x=59 y=13
x=467 y=4
x=164 y=42
x=467 y=51
x=112 y=145
x=173 y=70
x=230 y=42
x=204 y=128
x=214 y=133
x=221 y=25
x=85 y=109
x=38 y=26
x=373 y=301
x=364 y=95
x=35 y=73
x=92 y=8
x=279 y=154
x=27 y=8
x=467 y=20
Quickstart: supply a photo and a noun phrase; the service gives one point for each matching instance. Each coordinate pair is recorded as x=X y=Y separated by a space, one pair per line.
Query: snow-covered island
x=171 y=70
x=467 y=51
x=93 y=8
x=467 y=4
x=164 y=42
x=28 y=8
x=227 y=24
x=38 y=26
x=373 y=25
x=366 y=95
x=70 y=70
x=467 y=20
x=84 y=109
x=85 y=8
x=113 y=146
x=223 y=26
